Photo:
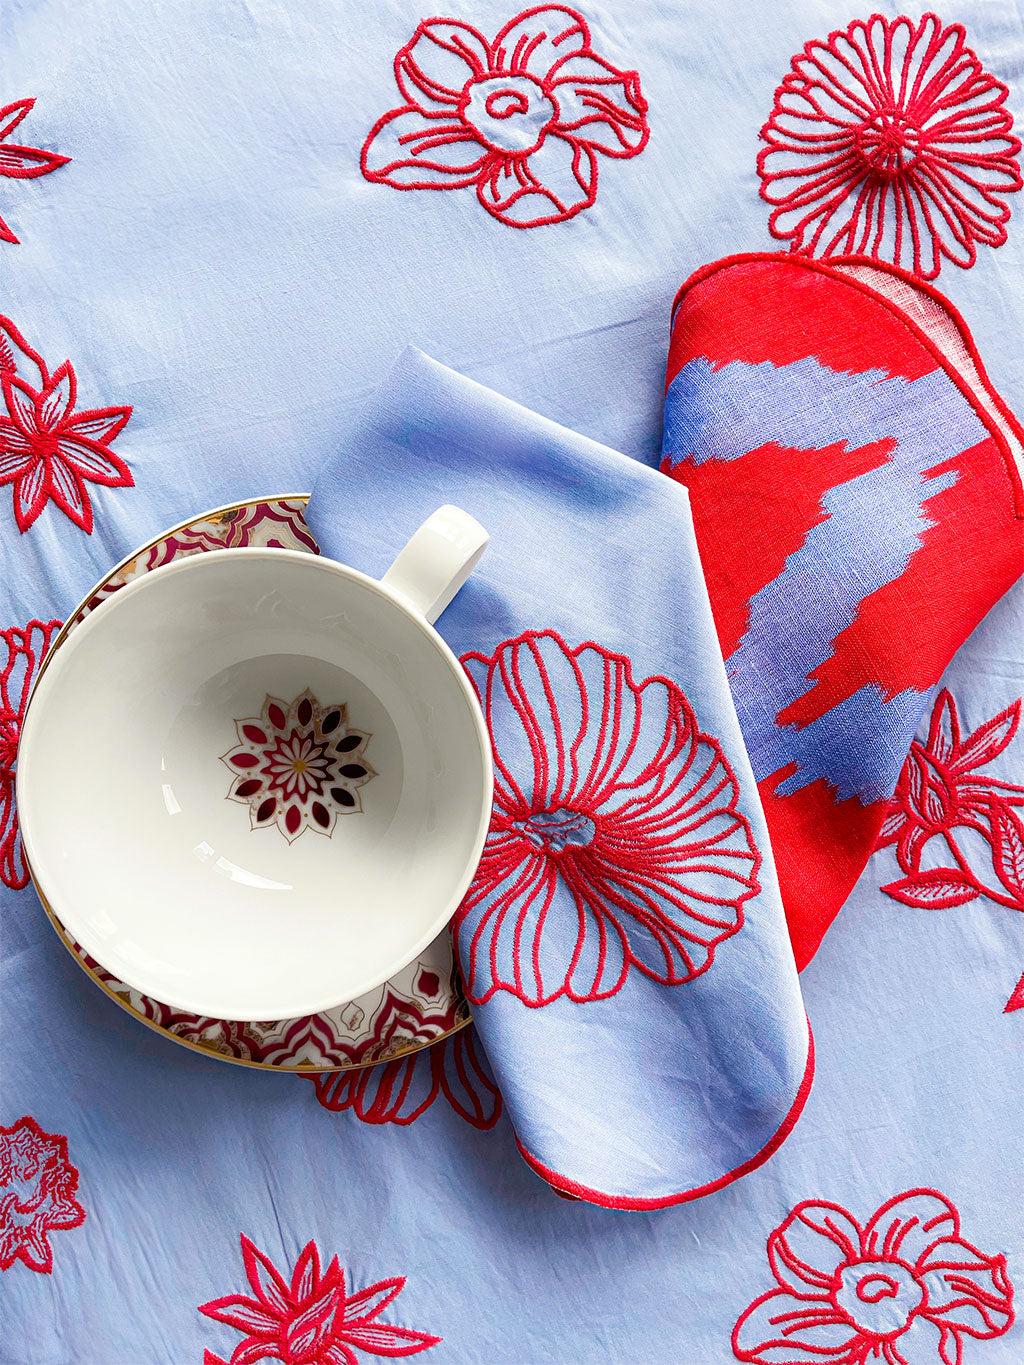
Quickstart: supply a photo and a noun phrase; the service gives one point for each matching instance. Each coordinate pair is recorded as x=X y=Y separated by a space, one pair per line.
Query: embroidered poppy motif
x=18 y=162
x=21 y=652
x=400 y=1091
x=615 y=841
x=890 y=140
x=37 y=1194
x=298 y=766
x=945 y=805
x=311 y=1318
x=521 y=118
x=48 y=451
x=905 y=1288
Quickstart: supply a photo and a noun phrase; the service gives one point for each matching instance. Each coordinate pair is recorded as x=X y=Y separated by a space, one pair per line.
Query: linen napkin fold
x=856 y=491
x=623 y=943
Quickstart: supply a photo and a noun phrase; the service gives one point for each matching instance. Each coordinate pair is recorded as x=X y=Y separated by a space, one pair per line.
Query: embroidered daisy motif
x=904 y=1289
x=298 y=765
x=18 y=162
x=310 y=1319
x=21 y=652
x=37 y=1194
x=521 y=118
x=615 y=842
x=890 y=140
x=48 y=450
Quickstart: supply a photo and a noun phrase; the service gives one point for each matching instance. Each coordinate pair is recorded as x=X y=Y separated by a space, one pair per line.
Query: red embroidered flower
x=906 y=1289
x=311 y=1320
x=298 y=765
x=400 y=1091
x=945 y=805
x=21 y=652
x=48 y=451
x=520 y=118
x=891 y=141
x=615 y=840
x=21 y=163
x=37 y=1194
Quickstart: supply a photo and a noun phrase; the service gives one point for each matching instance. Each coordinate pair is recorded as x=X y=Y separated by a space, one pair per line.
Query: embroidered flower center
x=551 y=831
x=889 y=143
x=43 y=445
x=879 y=1297
x=509 y=113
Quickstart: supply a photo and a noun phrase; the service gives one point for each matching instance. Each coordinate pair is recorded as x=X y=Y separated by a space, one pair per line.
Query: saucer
x=417 y=1006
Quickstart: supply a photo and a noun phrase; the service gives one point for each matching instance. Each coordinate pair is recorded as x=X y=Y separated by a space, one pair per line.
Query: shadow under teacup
x=256 y=783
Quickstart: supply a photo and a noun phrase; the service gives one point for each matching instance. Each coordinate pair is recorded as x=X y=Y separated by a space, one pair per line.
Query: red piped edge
x=572 y=1189
x=826 y=267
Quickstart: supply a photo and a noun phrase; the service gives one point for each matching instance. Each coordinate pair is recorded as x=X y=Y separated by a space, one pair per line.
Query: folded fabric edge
x=832 y=268
x=624 y=1203
x=412 y=364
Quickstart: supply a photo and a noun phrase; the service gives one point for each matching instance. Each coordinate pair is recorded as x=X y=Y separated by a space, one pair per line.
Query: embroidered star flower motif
x=37 y=1194
x=298 y=766
x=904 y=1289
x=616 y=842
x=520 y=119
x=48 y=451
x=311 y=1319
x=18 y=162
x=890 y=140
x=945 y=804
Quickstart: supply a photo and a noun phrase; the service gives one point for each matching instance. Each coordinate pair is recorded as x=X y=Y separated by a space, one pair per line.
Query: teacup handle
x=437 y=560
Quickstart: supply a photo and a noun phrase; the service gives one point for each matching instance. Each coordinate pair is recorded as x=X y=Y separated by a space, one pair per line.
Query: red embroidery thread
x=18 y=162
x=615 y=840
x=520 y=118
x=892 y=141
x=903 y=1287
x=941 y=791
x=311 y=1319
x=572 y=1189
x=1016 y=1000
x=21 y=652
x=48 y=451
x=400 y=1091
x=37 y=1194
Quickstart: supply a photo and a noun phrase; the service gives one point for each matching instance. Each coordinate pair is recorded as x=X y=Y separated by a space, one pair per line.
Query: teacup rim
x=47 y=678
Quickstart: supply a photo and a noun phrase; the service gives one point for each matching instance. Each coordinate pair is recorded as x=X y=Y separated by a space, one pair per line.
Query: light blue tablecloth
x=214 y=257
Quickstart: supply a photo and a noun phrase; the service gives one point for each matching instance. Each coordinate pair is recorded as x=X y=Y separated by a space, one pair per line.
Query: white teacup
x=256 y=783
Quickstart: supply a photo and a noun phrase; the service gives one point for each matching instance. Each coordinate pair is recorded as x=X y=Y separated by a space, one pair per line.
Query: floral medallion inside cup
x=298 y=766
x=308 y=754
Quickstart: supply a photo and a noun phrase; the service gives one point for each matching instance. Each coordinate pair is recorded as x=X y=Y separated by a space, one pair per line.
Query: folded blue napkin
x=623 y=943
